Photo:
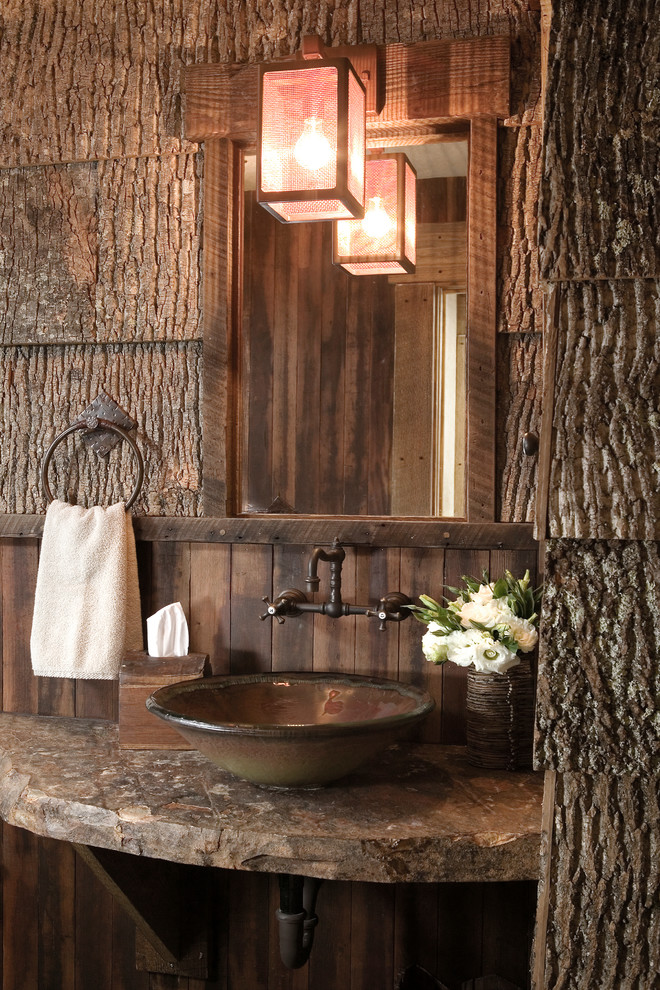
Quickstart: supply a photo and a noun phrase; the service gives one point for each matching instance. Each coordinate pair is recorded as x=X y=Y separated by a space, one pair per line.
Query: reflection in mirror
x=353 y=396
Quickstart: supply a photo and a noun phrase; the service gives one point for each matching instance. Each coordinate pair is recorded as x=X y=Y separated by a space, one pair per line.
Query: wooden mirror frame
x=425 y=87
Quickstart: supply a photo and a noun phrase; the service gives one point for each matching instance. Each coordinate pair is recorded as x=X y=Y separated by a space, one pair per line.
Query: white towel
x=87 y=602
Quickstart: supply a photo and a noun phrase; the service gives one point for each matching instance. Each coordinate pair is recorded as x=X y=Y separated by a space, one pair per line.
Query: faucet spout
x=335 y=556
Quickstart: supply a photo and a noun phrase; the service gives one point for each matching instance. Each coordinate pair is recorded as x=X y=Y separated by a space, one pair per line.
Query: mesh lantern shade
x=311 y=141
x=384 y=242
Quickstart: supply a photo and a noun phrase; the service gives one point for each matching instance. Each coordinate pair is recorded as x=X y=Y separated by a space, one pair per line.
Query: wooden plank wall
x=599 y=686
x=100 y=218
x=318 y=365
x=56 y=915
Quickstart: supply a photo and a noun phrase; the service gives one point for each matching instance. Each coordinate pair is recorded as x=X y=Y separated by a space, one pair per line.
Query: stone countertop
x=418 y=813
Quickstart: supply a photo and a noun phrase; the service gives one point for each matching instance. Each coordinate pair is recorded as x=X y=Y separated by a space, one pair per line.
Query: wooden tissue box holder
x=139 y=676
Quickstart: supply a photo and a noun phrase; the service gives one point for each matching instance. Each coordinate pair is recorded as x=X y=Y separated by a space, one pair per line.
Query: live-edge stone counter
x=419 y=813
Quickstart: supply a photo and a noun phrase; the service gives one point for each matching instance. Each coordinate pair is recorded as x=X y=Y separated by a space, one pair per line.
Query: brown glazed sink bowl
x=290 y=729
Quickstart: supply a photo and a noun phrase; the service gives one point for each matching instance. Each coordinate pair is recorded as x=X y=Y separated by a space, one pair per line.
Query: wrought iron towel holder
x=91 y=423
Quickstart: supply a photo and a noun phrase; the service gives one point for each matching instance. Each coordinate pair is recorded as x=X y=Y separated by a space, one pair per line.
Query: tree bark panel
x=604 y=889
x=519 y=297
x=599 y=682
x=600 y=201
x=519 y=392
x=149 y=249
x=45 y=388
x=48 y=254
x=605 y=457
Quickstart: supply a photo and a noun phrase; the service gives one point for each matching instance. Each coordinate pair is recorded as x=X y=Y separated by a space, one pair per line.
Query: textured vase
x=500 y=717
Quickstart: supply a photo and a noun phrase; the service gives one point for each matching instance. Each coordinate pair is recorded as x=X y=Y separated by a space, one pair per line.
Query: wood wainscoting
x=62 y=929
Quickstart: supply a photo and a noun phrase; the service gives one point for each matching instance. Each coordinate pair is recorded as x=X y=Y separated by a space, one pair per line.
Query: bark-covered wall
x=597 y=706
x=604 y=884
x=101 y=213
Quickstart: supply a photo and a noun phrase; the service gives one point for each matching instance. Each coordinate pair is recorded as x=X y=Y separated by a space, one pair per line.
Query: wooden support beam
x=169 y=904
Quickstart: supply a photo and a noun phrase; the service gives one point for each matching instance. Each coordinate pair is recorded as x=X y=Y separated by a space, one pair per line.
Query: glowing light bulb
x=312 y=149
x=377 y=222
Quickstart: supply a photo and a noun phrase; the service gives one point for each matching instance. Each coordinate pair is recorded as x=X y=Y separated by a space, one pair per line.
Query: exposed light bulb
x=377 y=221
x=312 y=149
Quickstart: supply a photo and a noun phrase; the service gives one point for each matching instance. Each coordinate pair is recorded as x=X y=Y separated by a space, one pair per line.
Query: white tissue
x=167 y=632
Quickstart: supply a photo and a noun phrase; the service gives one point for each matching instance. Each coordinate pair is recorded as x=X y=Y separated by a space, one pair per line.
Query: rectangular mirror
x=353 y=388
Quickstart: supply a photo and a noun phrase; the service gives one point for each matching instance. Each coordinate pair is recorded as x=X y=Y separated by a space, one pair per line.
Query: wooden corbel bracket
x=168 y=903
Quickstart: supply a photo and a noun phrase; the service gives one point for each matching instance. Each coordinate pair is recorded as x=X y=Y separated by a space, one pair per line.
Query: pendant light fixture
x=384 y=241
x=311 y=138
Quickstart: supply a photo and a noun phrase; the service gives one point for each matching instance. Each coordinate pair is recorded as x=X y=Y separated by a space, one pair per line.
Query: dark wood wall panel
x=44 y=389
x=318 y=353
x=70 y=925
x=599 y=682
x=604 y=883
x=606 y=442
x=600 y=205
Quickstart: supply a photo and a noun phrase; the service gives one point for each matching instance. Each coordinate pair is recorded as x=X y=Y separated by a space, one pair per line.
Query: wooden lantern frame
x=399 y=255
x=341 y=191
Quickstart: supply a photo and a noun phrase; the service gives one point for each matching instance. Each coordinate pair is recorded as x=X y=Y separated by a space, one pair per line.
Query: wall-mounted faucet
x=291 y=602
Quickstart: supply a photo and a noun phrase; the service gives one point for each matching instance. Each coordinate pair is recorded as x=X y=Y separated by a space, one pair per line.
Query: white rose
x=524 y=633
x=490 y=614
x=483 y=595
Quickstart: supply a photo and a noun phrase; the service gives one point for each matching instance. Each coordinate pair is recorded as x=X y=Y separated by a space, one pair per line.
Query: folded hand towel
x=87 y=603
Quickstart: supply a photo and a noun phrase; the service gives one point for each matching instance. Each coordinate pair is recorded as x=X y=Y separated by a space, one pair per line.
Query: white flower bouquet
x=485 y=626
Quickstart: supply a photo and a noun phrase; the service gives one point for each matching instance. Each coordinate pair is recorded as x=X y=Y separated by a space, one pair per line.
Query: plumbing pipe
x=297 y=918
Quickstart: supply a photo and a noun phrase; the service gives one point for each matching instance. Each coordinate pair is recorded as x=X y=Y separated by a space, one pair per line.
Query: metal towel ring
x=94 y=423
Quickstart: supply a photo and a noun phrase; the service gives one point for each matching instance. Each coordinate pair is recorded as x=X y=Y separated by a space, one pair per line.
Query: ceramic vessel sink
x=290 y=729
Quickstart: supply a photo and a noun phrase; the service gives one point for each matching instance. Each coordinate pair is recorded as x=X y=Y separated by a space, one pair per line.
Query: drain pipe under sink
x=297 y=918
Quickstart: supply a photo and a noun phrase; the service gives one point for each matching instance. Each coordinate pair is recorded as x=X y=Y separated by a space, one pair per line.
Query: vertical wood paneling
x=376 y=650
x=251 y=578
x=454 y=679
x=415 y=926
x=19 y=576
x=94 y=931
x=20 y=909
x=330 y=961
x=210 y=603
x=293 y=639
x=482 y=227
x=311 y=246
x=57 y=925
x=421 y=572
x=248 y=924
x=372 y=936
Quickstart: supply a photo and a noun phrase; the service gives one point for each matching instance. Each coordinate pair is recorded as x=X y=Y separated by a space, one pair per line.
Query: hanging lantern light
x=384 y=241
x=311 y=140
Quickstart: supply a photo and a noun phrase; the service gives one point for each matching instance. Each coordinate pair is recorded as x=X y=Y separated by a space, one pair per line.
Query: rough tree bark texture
x=108 y=251
x=45 y=388
x=519 y=295
x=48 y=254
x=605 y=922
x=605 y=472
x=519 y=387
x=599 y=679
x=598 y=683
x=149 y=249
x=600 y=207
